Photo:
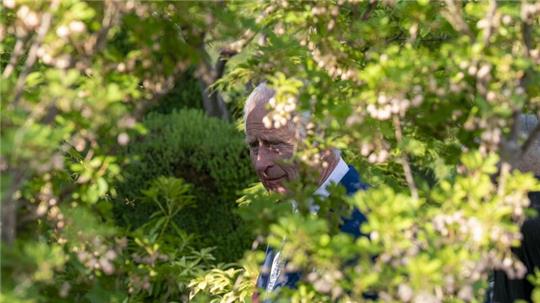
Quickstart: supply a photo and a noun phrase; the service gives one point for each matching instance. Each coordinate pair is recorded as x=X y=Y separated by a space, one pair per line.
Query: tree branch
x=109 y=19
x=454 y=16
x=405 y=160
x=369 y=10
x=9 y=207
x=526 y=30
x=17 y=52
x=213 y=103
x=32 y=54
x=490 y=22
x=526 y=33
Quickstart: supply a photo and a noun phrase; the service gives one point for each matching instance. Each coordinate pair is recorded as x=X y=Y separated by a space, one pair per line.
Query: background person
x=505 y=288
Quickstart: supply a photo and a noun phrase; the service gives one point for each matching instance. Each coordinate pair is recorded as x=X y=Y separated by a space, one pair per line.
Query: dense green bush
x=207 y=153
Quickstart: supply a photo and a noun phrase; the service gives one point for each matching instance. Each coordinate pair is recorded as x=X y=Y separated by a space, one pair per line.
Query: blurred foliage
x=423 y=98
x=100 y=204
x=77 y=79
x=535 y=280
x=186 y=93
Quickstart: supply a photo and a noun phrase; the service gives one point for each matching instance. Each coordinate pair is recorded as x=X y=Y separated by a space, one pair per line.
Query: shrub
x=207 y=153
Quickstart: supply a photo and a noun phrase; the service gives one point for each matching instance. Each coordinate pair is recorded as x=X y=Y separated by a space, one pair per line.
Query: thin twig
x=17 y=52
x=213 y=102
x=109 y=19
x=369 y=10
x=405 y=160
x=526 y=33
x=527 y=42
x=526 y=29
x=32 y=54
x=501 y=184
x=227 y=53
x=9 y=207
x=454 y=16
x=490 y=21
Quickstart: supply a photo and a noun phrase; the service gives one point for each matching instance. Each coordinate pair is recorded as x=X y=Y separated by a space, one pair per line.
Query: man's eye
x=254 y=145
x=277 y=144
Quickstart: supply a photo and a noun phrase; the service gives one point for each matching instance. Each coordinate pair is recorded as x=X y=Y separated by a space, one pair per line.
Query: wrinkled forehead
x=256 y=113
x=255 y=107
x=256 y=128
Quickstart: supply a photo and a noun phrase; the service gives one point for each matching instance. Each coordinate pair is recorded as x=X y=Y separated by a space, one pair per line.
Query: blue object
x=351 y=225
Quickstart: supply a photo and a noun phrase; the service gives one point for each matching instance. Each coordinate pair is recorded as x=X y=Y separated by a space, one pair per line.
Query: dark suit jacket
x=507 y=290
x=351 y=225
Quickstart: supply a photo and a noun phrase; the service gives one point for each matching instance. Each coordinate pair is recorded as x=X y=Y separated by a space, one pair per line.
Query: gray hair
x=259 y=96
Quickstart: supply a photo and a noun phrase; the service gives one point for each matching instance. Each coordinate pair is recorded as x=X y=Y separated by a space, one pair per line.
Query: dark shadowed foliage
x=207 y=153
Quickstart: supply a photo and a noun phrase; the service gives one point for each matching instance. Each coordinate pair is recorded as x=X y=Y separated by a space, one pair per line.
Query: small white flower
x=484 y=71
x=23 y=12
x=31 y=20
x=62 y=62
x=62 y=31
x=267 y=123
x=76 y=26
x=506 y=19
x=405 y=292
x=482 y=24
x=272 y=102
x=123 y=139
x=121 y=67
x=9 y=3
x=472 y=70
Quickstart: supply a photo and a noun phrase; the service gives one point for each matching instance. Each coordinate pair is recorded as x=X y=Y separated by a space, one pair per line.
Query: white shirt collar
x=335 y=177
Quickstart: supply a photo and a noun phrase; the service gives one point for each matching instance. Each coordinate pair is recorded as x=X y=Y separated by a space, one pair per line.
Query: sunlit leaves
x=452 y=75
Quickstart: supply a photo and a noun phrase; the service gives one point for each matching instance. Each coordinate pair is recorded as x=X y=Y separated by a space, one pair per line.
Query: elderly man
x=270 y=148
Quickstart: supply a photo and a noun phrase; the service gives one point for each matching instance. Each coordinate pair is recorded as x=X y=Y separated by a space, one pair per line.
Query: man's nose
x=264 y=160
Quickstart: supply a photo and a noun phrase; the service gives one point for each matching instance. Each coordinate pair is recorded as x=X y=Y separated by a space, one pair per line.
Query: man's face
x=270 y=148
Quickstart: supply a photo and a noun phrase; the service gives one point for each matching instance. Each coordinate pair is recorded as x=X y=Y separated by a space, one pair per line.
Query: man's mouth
x=274 y=179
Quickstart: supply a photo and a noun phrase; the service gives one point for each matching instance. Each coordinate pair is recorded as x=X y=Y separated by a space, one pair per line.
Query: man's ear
x=329 y=155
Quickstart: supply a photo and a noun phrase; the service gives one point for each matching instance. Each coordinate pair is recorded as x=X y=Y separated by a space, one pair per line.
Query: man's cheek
x=288 y=152
x=253 y=159
x=293 y=173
